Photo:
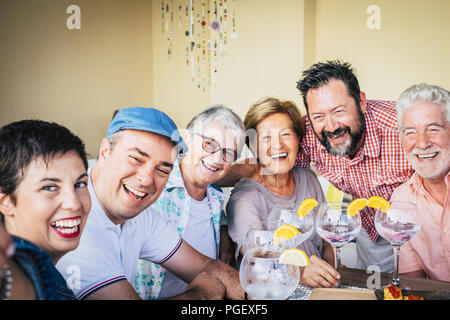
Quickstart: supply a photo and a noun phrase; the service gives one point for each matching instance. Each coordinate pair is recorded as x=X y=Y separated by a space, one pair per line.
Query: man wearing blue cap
x=134 y=164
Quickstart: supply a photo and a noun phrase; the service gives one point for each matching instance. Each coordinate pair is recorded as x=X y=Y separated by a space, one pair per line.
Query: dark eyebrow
x=50 y=179
x=59 y=180
x=332 y=110
x=144 y=154
x=167 y=164
x=82 y=176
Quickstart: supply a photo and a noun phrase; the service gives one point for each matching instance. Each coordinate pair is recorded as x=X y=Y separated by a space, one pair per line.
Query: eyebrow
x=332 y=110
x=145 y=154
x=142 y=153
x=59 y=180
x=428 y=125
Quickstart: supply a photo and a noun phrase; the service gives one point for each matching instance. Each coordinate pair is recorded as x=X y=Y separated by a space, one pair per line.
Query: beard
x=349 y=147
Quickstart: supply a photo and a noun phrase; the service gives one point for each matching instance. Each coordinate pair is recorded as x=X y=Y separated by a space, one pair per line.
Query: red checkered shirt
x=377 y=169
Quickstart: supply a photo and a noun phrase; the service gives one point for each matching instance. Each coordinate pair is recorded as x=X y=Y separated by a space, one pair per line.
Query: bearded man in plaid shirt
x=354 y=143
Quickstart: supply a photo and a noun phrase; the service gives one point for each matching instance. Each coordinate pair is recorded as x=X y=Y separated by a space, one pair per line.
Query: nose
x=275 y=141
x=330 y=124
x=145 y=176
x=71 y=201
x=422 y=140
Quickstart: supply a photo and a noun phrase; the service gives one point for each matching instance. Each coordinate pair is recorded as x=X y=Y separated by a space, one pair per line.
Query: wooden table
x=358 y=278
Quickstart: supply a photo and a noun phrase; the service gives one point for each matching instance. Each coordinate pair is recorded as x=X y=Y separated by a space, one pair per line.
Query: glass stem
x=395 y=278
x=337 y=260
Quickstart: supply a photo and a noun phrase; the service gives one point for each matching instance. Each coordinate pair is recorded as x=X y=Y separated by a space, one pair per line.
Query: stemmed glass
x=336 y=227
x=397 y=225
x=305 y=225
x=258 y=236
x=263 y=277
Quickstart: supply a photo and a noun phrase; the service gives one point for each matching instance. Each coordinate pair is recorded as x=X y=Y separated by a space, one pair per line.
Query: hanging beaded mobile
x=206 y=34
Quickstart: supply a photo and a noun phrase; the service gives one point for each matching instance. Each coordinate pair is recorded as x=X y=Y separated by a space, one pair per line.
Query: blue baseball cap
x=150 y=120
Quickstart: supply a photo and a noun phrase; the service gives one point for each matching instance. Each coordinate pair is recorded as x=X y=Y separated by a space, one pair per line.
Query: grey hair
x=224 y=115
x=114 y=138
x=426 y=93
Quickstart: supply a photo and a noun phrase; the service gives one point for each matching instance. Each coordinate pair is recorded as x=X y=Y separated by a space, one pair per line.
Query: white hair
x=230 y=120
x=426 y=93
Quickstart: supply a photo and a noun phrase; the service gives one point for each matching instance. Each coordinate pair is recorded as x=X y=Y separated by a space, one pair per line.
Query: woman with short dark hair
x=44 y=203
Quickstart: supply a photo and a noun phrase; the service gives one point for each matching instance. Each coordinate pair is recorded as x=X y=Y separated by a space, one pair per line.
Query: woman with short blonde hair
x=277 y=130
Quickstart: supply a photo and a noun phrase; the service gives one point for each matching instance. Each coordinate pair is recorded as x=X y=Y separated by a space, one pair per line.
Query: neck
x=358 y=146
x=194 y=189
x=437 y=188
x=282 y=184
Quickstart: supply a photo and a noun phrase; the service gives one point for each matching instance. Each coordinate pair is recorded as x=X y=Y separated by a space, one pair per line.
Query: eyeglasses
x=212 y=146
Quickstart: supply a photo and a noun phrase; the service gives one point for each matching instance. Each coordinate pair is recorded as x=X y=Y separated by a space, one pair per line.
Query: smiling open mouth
x=427 y=156
x=67 y=228
x=209 y=167
x=279 y=156
x=138 y=195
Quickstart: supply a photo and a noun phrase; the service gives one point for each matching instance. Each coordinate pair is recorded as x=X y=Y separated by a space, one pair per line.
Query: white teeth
x=68 y=231
x=210 y=168
x=281 y=155
x=427 y=156
x=134 y=191
x=67 y=223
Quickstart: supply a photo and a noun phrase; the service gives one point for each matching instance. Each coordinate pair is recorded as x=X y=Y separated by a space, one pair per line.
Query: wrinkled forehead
x=421 y=113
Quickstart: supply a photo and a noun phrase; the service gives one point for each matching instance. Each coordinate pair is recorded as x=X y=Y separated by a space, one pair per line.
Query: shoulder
x=304 y=173
x=384 y=113
x=309 y=179
x=246 y=188
x=404 y=191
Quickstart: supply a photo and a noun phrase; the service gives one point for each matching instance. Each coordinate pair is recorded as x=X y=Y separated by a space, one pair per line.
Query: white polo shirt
x=108 y=253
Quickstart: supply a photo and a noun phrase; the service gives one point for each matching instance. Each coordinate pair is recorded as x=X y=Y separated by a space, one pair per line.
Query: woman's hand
x=319 y=274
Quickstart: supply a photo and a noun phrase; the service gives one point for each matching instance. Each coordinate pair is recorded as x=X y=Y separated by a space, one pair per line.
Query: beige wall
x=412 y=45
x=119 y=57
x=267 y=58
x=74 y=77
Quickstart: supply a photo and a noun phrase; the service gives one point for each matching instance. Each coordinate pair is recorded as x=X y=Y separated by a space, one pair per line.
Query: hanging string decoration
x=205 y=26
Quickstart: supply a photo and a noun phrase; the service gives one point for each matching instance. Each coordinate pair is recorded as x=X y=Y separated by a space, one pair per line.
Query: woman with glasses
x=190 y=202
x=278 y=128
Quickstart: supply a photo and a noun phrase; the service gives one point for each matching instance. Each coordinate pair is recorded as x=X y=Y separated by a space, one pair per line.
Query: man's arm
x=415 y=274
x=187 y=263
x=121 y=290
x=237 y=172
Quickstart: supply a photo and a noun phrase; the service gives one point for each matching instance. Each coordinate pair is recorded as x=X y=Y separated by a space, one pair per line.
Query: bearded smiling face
x=337 y=120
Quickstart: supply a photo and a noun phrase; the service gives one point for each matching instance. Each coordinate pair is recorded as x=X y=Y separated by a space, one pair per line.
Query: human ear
x=6 y=205
x=105 y=149
x=363 y=101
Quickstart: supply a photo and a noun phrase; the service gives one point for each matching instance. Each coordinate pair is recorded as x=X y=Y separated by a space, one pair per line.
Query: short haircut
x=321 y=73
x=230 y=120
x=425 y=93
x=269 y=106
x=23 y=141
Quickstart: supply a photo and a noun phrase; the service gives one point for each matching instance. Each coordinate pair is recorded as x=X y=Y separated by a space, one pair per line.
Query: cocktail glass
x=258 y=236
x=263 y=277
x=397 y=225
x=305 y=226
x=336 y=227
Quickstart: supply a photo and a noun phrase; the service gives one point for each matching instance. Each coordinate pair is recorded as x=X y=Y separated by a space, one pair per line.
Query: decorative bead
x=6 y=284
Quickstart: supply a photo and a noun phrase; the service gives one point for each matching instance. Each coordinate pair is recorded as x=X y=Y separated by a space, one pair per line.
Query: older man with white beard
x=424 y=123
